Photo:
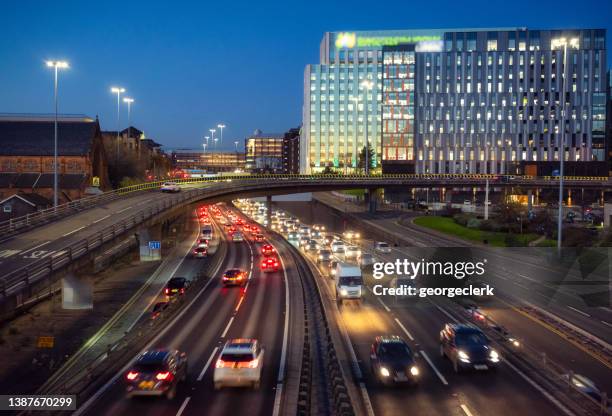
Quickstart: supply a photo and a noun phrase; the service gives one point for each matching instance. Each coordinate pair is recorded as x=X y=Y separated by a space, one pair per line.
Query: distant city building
x=207 y=161
x=27 y=161
x=291 y=151
x=454 y=101
x=264 y=152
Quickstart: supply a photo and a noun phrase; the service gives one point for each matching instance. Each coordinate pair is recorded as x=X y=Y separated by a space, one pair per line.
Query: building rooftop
x=34 y=136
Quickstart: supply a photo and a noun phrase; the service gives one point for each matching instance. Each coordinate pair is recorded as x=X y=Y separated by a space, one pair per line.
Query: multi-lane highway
x=215 y=315
x=442 y=391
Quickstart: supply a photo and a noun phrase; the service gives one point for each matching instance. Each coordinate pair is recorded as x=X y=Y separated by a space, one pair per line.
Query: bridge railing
x=16 y=280
x=21 y=223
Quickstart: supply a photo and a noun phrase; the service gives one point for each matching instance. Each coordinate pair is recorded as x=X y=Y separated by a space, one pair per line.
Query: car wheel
x=171 y=393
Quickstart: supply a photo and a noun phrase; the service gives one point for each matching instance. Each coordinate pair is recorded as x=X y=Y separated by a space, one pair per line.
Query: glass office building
x=455 y=101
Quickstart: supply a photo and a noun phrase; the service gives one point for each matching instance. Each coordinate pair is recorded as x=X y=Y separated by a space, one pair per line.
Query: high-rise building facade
x=264 y=152
x=291 y=151
x=455 y=101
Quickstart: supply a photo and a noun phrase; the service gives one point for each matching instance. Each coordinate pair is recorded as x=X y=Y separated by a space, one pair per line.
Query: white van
x=207 y=232
x=349 y=282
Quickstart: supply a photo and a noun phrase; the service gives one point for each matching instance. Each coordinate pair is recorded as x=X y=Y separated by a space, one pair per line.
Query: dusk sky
x=192 y=65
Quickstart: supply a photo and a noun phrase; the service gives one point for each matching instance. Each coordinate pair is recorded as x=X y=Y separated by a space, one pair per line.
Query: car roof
x=390 y=339
x=153 y=356
x=240 y=346
x=177 y=280
x=465 y=328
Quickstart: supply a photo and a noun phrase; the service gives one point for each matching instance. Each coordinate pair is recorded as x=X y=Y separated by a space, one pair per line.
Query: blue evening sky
x=192 y=64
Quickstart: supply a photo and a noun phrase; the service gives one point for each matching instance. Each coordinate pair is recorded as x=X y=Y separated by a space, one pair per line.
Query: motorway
x=215 y=315
x=443 y=391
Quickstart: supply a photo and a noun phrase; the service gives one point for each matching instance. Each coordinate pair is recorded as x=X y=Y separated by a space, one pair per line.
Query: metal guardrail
x=27 y=221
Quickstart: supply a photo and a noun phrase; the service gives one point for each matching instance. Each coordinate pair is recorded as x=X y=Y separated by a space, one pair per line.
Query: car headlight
x=357 y=235
x=384 y=372
x=414 y=370
x=494 y=356
x=463 y=356
x=343 y=292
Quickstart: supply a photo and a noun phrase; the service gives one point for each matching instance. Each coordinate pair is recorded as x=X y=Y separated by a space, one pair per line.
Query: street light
x=221 y=127
x=118 y=91
x=56 y=65
x=129 y=102
x=212 y=133
x=236 y=144
x=486 y=207
x=367 y=85
x=557 y=43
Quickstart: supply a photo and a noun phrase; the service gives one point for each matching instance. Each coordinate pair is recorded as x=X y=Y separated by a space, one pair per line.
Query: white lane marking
x=73 y=231
x=227 y=327
x=283 y=360
x=404 y=329
x=540 y=389
x=156 y=339
x=466 y=410
x=101 y=219
x=451 y=317
x=579 y=311
x=381 y=301
x=239 y=303
x=431 y=364
x=607 y=323
x=183 y=406
x=124 y=209
x=34 y=248
x=201 y=376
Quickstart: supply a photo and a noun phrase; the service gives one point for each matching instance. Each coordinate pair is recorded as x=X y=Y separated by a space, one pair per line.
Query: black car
x=156 y=373
x=176 y=286
x=392 y=361
x=467 y=347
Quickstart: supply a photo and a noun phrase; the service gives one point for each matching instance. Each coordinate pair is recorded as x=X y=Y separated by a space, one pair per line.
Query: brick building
x=26 y=156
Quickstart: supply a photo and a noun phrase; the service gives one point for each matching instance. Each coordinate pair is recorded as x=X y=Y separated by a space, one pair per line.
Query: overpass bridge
x=38 y=246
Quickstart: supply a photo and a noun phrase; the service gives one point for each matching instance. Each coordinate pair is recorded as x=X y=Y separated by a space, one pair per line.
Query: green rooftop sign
x=363 y=41
x=351 y=39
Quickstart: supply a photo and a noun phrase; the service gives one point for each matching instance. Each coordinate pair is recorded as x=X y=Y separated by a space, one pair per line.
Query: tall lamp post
x=129 y=102
x=486 y=207
x=558 y=43
x=221 y=127
x=118 y=91
x=237 y=162
x=56 y=65
x=367 y=85
x=212 y=134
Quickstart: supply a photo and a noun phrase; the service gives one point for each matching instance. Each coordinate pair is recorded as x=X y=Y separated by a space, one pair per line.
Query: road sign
x=95 y=181
x=45 y=342
x=155 y=245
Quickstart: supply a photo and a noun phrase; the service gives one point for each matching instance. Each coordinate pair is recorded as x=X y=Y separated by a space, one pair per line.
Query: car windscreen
x=241 y=357
x=176 y=282
x=351 y=280
x=149 y=367
x=471 y=338
x=395 y=350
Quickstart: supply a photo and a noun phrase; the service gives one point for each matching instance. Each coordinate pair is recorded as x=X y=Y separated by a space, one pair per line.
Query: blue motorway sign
x=155 y=245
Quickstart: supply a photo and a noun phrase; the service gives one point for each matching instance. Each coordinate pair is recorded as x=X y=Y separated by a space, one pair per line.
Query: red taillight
x=131 y=375
x=275 y=264
x=166 y=375
x=221 y=364
x=264 y=265
x=167 y=291
x=182 y=290
x=248 y=364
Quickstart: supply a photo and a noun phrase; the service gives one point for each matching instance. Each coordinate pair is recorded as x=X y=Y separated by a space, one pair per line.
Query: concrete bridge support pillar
x=269 y=210
x=370 y=201
x=149 y=241
x=77 y=292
